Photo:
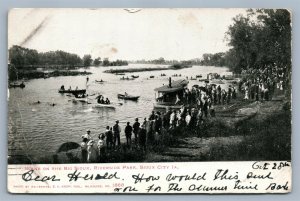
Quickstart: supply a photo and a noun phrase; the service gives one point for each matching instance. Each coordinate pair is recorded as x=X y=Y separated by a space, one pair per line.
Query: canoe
x=128 y=97
x=99 y=105
x=78 y=91
x=22 y=85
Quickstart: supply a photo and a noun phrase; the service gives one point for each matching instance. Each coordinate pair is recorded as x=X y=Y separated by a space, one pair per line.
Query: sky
x=129 y=34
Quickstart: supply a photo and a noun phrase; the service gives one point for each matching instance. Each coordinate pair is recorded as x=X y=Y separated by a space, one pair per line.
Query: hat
x=88 y=130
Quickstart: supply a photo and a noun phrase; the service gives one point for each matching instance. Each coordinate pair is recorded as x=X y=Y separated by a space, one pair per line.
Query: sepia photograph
x=148 y=85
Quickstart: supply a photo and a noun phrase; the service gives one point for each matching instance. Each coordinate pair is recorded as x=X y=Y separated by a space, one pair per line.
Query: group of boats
x=130 y=78
x=80 y=95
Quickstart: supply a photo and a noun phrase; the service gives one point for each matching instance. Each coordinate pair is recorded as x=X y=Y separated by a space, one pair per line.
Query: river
x=39 y=129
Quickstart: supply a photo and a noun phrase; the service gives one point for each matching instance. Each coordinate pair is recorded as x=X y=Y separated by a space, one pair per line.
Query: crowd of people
x=197 y=104
x=260 y=84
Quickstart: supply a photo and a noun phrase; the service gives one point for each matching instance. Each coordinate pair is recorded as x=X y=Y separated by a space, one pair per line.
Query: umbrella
x=67 y=146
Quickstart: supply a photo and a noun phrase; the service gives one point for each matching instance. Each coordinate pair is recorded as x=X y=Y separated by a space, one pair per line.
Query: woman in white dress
x=92 y=152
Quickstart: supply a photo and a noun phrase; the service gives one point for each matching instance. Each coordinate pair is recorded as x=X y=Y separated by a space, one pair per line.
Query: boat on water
x=128 y=97
x=204 y=80
x=120 y=73
x=167 y=95
x=135 y=76
x=126 y=78
x=14 y=85
x=100 y=81
x=152 y=76
x=100 y=105
x=75 y=91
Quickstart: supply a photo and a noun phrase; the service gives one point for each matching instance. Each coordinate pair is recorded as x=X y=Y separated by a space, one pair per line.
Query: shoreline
x=40 y=74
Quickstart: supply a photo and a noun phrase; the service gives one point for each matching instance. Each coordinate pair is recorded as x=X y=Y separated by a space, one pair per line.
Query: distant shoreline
x=39 y=74
x=134 y=70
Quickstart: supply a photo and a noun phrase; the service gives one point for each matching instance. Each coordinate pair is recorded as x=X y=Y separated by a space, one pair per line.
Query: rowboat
x=99 y=81
x=135 y=76
x=128 y=97
x=99 y=105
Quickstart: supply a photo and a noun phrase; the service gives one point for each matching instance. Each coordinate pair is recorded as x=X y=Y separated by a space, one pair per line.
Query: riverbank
x=246 y=131
x=40 y=74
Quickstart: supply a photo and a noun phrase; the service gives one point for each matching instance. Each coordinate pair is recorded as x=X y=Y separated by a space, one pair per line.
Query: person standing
x=109 y=137
x=117 y=131
x=172 y=119
x=142 y=137
x=157 y=123
x=100 y=146
x=84 y=152
x=188 y=118
x=128 y=133
x=136 y=127
x=92 y=152
x=152 y=116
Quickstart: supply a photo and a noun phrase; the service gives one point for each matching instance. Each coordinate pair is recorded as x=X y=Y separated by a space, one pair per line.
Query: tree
x=105 y=62
x=97 y=61
x=87 y=60
x=262 y=38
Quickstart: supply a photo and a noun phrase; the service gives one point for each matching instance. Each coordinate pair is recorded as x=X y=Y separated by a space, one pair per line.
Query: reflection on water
x=39 y=129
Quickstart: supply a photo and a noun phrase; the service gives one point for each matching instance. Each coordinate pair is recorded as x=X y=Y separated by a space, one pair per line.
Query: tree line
x=261 y=38
x=21 y=57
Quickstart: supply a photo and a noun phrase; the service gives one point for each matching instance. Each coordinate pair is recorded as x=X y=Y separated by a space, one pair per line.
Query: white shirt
x=172 y=117
x=100 y=144
x=188 y=119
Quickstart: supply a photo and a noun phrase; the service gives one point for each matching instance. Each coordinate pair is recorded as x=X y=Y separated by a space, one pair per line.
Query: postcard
x=160 y=101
